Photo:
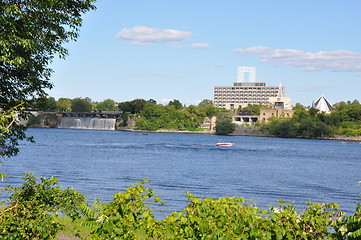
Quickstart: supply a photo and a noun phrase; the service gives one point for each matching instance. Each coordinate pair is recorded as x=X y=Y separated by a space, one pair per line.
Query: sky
x=164 y=50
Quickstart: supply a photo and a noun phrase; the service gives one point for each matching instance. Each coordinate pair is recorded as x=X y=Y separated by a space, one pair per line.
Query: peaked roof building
x=322 y=104
x=280 y=101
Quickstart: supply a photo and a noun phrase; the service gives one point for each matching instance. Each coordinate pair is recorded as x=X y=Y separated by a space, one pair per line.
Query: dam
x=97 y=120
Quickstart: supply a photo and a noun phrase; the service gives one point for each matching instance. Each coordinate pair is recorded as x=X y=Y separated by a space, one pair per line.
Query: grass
x=72 y=230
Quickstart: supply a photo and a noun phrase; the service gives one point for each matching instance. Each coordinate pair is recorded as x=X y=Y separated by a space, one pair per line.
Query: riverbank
x=167 y=131
x=343 y=138
x=247 y=130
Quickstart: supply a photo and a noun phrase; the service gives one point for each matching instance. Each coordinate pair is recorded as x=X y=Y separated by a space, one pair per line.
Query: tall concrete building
x=243 y=93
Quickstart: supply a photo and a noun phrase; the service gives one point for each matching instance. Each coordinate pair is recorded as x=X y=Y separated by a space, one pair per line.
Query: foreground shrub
x=33 y=208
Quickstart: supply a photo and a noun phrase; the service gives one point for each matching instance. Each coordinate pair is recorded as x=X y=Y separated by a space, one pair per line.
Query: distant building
x=251 y=92
x=265 y=114
x=280 y=101
x=245 y=117
x=322 y=104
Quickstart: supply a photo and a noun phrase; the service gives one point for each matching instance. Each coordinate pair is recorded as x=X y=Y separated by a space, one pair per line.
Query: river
x=101 y=163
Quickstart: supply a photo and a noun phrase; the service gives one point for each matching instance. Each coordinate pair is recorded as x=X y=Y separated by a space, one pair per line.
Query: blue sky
x=163 y=50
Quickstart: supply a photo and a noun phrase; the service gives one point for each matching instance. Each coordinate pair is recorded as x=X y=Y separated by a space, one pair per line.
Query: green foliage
x=81 y=105
x=176 y=103
x=126 y=217
x=349 y=227
x=225 y=125
x=64 y=104
x=48 y=119
x=32 y=33
x=254 y=108
x=10 y=131
x=313 y=124
x=134 y=106
x=45 y=104
x=33 y=207
x=210 y=110
x=154 y=117
x=205 y=102
x=106 y=105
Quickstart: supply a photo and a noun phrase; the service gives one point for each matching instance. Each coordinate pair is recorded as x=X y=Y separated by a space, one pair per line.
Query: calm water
x=101 y=163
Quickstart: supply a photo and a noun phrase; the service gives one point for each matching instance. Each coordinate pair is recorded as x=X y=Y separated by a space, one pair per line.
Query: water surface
x=101 y=163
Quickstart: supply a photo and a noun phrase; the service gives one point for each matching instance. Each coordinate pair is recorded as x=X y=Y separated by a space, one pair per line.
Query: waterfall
x=87 y=123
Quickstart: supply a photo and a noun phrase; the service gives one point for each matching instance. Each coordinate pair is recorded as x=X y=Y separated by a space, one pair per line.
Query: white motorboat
x=224 y=144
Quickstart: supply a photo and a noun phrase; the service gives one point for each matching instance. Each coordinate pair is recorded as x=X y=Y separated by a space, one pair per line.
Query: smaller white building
x=322 y=104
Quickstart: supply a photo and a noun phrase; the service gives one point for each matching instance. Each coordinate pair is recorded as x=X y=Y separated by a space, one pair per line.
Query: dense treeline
x=154 y=117
x=344 y=119
x=148 y=114
x=33 y=213
x=49 y=104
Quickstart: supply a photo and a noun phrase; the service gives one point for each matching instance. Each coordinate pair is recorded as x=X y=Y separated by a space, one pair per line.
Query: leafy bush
x=34 y=206
x=126 y=217
x=32 y=209
x=225 y=125
x=49 y=119
x=154 y=117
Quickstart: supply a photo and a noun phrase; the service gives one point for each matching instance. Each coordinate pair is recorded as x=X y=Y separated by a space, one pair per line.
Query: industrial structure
x=243 y=93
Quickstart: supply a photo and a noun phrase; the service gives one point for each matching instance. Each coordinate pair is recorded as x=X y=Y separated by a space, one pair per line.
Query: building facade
x=265 y=114
x=242 y=94
x=251 y=92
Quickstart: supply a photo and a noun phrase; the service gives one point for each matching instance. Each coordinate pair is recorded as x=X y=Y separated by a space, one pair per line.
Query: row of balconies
x=245 y=92
x=247 y=95
x=246 y=88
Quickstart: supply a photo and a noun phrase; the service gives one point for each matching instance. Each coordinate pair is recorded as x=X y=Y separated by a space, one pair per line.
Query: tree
x=254 y=108
x=106 y=105
x=152 y=101
x=10 y=135
x=204 y=103
x=134 y=106
x=225 y=125
x=64 y=104
x=211 y=110
x=32 y=33
x=81 y=105
x=45 y=104
x=176 y=103
x=313 y=111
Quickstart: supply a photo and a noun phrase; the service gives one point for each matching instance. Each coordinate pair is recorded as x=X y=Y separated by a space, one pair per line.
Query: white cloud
x=339 y=60
x=200 y=45
x=141 y=35
x=166 y=100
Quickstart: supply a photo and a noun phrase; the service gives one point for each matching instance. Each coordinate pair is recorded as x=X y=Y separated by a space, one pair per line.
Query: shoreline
x=166 y=131
x=337 y=138
x=209 y=132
